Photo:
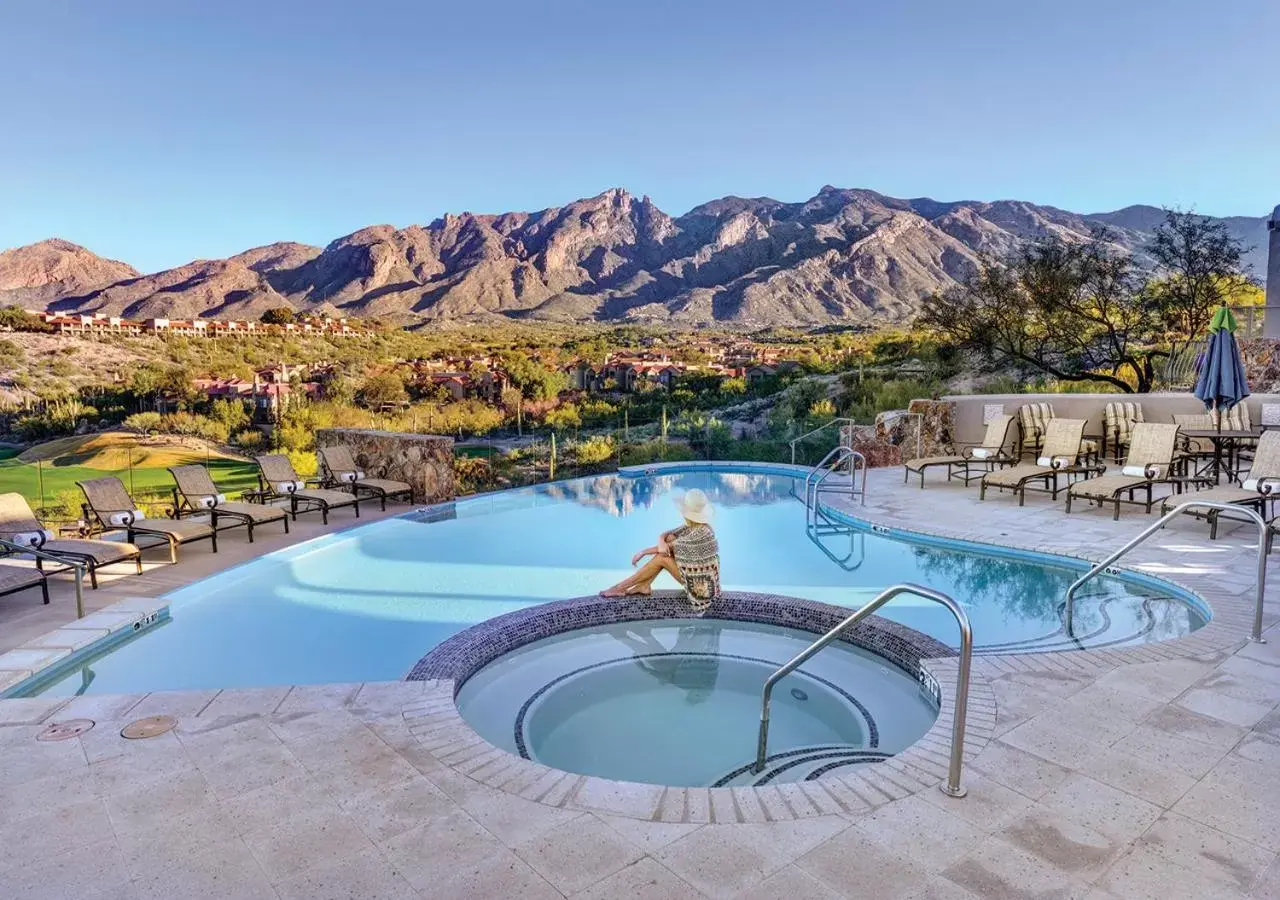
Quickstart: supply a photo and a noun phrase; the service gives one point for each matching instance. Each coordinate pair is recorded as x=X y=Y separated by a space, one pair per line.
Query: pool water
x=677 y=702
x=367 y=603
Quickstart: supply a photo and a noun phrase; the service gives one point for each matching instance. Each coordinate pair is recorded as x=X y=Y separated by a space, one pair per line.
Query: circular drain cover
x=151 y=726
x=62 y=731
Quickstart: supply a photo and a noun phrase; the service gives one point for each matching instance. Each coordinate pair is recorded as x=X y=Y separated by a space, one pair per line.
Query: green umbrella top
x=1223 y=318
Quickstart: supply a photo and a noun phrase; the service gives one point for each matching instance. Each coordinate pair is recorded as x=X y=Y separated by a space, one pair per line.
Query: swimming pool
x=365 y=604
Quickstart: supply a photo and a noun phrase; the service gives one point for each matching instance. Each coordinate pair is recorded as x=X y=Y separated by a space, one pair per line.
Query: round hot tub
x=676 y=701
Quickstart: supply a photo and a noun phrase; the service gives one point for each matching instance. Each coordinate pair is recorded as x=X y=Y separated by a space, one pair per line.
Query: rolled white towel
x=348 y=476
x=288 y=487
x=33 y=538
x=124 y=518
x=207 y=502
x=1141 y=471
x=982 y=453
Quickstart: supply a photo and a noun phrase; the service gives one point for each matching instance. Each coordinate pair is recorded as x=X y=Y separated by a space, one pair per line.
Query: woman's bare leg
x=640 y=581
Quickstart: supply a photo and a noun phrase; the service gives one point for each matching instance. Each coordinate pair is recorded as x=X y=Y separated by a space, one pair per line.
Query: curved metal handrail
x=822 y=427
x=813 y=485
x=1251 y=515
x=951 y=787
x=61 y=560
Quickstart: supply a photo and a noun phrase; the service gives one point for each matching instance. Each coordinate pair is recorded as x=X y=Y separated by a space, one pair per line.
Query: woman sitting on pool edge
x=690 y=553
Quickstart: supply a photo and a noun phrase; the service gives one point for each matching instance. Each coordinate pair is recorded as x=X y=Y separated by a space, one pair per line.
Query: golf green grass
x=146 y=482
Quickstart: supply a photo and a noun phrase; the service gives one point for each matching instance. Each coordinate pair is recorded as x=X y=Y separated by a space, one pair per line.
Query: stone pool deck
x=1143 y=773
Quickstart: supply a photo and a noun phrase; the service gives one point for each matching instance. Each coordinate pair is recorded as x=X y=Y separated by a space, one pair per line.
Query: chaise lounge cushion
x=101 y=552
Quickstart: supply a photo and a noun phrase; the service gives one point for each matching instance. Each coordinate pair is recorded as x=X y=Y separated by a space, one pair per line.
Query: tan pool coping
x=1104 y=774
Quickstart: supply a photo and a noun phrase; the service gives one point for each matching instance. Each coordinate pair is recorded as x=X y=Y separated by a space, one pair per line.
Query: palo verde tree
x=1199 y=268
x=1079 y=310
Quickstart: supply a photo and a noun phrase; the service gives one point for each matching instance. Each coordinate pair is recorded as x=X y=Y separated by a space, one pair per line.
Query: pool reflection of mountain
x=619 y=496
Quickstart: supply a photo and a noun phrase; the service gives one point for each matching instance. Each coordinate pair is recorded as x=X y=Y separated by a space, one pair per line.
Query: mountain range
x=843 y=256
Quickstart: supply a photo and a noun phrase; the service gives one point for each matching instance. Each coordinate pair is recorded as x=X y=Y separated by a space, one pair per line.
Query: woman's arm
x=647 y=551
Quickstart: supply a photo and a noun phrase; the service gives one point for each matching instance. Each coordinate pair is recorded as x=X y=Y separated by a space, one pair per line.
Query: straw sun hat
x=695 y=506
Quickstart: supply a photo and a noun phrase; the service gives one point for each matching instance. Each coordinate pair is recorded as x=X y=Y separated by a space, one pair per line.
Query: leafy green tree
x=18 y=319
x=279 y=315
x=1200 y=267
x=381 y=391
x=563 y=418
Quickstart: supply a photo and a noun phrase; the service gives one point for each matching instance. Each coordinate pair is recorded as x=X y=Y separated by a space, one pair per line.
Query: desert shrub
x=593 y=451
x=638 y=454
x=304 y=463
x=472 y=474
x=142 y=422
x=249 y=439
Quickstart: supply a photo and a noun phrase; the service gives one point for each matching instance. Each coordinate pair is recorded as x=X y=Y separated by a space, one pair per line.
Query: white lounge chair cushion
x=288 y=487
x=124 y=518
x=351 y=476
x=1141 y=471
x=983 y=453
x=33 y=538
x=208 y=501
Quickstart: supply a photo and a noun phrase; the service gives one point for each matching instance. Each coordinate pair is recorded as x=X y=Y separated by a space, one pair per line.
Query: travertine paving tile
x=642 y=880
x=725 y=860
x=790 y=883
x=1111 y=812
x=578 y=854
x=1142 y=873
x=305 y=840
x=1194 y=846
x=366 y=875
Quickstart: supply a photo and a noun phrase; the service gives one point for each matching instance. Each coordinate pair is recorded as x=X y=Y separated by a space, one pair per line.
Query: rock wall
x=925 y=430
x=423 y=460
x=1261 y=358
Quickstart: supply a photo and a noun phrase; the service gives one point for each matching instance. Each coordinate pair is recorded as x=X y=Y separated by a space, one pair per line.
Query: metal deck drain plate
x=63 y=731
x=151 y=726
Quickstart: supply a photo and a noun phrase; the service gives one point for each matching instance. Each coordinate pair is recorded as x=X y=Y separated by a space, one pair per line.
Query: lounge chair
x=1150 y=461
x=1061 y=450
x=278 y=478
x=1033 y=426
x=194 y=492
x=1118 y=420
x=20 y=578
x=1261 y=485
x=113 y=508
x=19 y=525
x=340 y=466
x=991 y=452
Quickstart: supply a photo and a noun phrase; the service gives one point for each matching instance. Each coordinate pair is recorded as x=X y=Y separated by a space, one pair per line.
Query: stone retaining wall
x=423 y=460
x=924 y=430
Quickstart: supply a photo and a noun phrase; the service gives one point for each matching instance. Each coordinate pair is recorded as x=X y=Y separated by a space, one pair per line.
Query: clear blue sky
x=159 y=132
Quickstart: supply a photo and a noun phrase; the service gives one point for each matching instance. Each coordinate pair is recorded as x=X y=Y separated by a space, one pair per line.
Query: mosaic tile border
x=469 y=651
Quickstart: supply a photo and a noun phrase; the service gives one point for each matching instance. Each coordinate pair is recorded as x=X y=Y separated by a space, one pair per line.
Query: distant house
x=757 y=374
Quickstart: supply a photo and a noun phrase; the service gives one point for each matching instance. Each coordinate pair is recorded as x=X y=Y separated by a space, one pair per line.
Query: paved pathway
x=1147 y=773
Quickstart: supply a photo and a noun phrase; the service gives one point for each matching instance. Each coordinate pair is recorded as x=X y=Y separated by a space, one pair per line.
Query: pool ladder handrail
x=951 y=787
x=818 y=474
x=79 y=567
x=839 y=420
x=1246 y=512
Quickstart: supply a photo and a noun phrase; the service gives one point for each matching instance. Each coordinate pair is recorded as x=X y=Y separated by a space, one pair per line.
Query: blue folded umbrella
x=1221 y=383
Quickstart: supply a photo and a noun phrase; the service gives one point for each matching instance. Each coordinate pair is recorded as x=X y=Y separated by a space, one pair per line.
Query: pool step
x=800 y=764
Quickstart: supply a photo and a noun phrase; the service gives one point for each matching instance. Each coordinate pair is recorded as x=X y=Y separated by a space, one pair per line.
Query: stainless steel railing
x=60 y=560
x=807 y=434
x=1236 y=511
x=820 y=473
x=951 y=787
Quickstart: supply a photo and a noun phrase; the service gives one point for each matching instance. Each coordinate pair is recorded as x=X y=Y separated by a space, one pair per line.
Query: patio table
x=1226 y=447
